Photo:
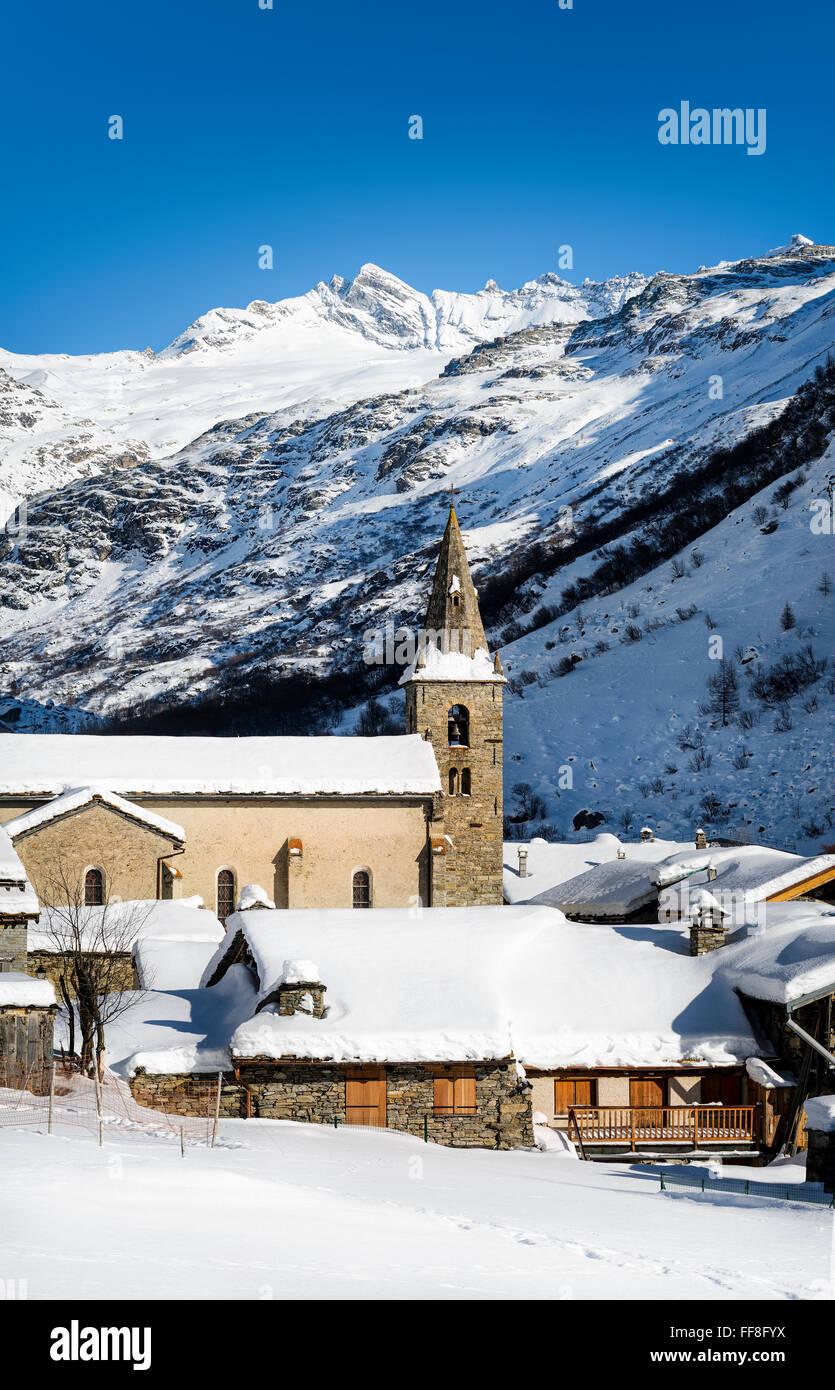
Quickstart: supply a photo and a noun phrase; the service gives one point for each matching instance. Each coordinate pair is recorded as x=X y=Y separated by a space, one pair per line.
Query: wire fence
x=50 y=1094
x=747 y=1187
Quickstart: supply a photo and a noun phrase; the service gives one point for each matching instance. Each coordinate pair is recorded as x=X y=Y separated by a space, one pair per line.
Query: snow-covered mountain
x=65 y=417
x=637 y=465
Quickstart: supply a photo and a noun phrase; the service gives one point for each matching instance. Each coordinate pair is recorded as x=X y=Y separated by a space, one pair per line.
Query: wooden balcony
x=683 y=1125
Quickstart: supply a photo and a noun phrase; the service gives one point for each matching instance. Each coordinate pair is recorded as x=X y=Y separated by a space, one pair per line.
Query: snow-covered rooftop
x=23 y=991
x=791 y=956
x=754 y=872
x=820 y=1113
x=11 y=868
x=454 y=984
x=38 y=764
x=17 y=896
x=432 y=664
x=604 y=886
x=550 y=865
x=81 y=797
x=120 y=925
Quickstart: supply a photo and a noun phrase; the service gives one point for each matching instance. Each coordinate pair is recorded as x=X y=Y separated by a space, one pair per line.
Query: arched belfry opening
x=458 y=726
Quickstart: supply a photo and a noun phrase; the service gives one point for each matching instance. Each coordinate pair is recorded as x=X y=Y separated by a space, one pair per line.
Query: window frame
x=225 y=869
x=94 y=869
x=361 y=907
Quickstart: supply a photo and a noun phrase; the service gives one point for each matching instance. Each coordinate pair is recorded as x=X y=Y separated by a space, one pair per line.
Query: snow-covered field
x=298 y=1211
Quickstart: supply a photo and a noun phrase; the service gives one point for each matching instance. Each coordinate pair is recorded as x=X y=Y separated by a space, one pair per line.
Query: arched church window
x=225 y=894
x=453 y=781
x=93 y=888
x=465 y=781
x=361 y=885
x=458 y=725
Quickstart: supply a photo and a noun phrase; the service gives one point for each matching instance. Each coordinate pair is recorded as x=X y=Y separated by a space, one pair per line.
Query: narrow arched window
x=466 y=785
x=453 y=781
x=361 y=885
x=225 y=894
x=458 y=727
x=93 y=888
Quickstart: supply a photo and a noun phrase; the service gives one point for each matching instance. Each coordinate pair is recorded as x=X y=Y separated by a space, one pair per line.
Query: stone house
x=320 y=821
x=468 y=1024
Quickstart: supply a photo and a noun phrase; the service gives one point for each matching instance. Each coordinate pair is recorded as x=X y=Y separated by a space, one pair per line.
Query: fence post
x=663 y=1188
x=182 y=1143
x=98 y=1103
x=426 y=1129
x=51 y=1095
x=217 y=1107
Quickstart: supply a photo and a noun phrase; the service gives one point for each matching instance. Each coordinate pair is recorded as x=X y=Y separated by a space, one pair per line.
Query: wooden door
x=725 y=1089
x=647 y=1091
x=365 y=1096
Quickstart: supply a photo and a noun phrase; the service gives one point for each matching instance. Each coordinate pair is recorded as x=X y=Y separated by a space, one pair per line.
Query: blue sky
x=289 y=127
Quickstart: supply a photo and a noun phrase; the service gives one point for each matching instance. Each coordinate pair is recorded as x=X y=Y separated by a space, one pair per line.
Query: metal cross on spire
x=452 y=492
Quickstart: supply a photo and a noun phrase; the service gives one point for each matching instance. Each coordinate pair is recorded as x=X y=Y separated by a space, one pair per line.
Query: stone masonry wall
x=123 y=975
x=472 y=869
x=188 y=1093
x=314 y=1093
x=13 y=945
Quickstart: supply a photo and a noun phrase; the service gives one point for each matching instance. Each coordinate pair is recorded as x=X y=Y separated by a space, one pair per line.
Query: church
x=338 y=822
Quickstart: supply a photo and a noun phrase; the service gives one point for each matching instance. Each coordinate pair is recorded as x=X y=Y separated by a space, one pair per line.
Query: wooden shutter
x=444 y=1094
x=584 y=1091
x=365 y=1096
x=716 y=1087
x=464 y=1091
x=647 y=1091
x=563 y=1096
x=574 y=1090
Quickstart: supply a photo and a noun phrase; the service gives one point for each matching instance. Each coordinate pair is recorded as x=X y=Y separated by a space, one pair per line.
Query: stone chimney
x=647 y=834
x=523 y=863
x=701 y=840
x=621 y=853
x=707 y=925
x=300 y=991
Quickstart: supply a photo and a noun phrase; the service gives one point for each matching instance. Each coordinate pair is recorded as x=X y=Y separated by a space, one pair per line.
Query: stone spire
x=453 y=603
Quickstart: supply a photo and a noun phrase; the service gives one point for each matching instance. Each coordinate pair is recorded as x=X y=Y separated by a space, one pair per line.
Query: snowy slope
x=281 y=1211
x=272 y=543
x=64 y=417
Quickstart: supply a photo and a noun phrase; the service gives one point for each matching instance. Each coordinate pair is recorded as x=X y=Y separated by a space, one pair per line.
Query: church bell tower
x=454 y=700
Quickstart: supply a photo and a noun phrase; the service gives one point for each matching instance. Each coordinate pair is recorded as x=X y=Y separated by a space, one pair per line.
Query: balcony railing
x=669 y=1124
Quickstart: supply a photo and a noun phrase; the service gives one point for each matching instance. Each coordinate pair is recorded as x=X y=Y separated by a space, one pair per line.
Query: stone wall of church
x=96 y=837
x=472 y=866
x=251 y=837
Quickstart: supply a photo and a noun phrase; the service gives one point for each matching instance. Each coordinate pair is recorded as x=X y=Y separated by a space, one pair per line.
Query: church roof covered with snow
x=81 y=797
x=147 y=765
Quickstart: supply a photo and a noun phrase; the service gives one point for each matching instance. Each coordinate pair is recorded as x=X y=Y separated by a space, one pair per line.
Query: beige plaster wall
x=95 y=837
x=613 y=1090
x=251 y=838
x=684 y=1090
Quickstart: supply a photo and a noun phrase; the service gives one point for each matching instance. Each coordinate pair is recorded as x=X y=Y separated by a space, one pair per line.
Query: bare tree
x=88 y=944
